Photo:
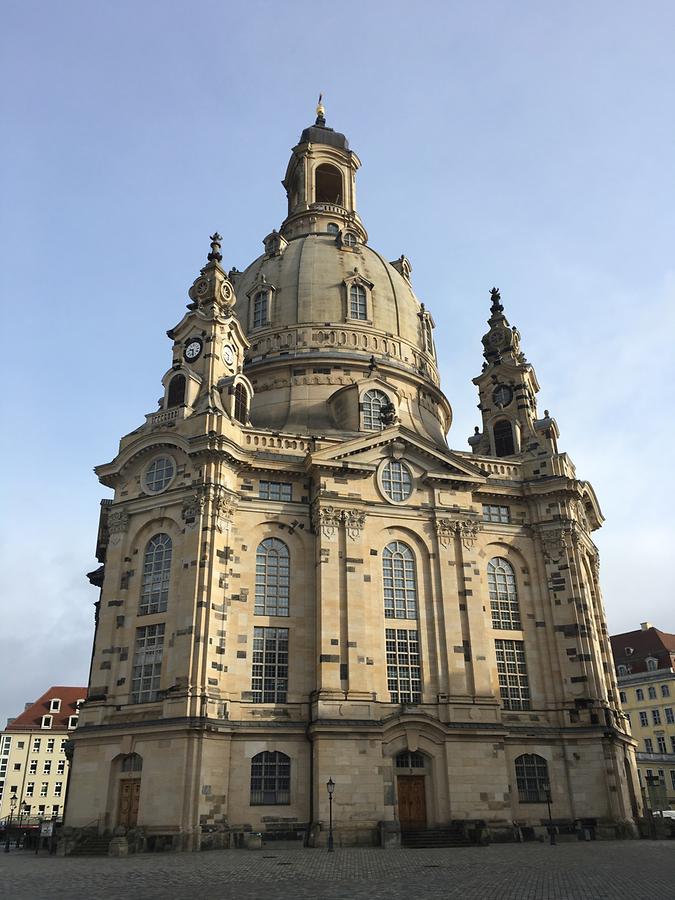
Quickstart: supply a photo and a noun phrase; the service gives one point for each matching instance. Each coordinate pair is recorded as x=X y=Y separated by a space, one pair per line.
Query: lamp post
x=13 y=800
x=547 y=789
x=330 y=787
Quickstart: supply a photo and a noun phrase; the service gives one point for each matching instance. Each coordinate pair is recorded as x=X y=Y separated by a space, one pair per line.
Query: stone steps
x=423 y=838
x=93 y=847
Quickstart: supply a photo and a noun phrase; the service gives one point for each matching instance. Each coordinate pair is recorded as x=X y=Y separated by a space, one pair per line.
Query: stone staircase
x=440 y=836
x=92 y=845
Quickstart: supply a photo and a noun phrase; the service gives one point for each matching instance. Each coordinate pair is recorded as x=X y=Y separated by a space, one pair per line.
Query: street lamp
x=546 y=787
x=330 y=787
x=13 y=800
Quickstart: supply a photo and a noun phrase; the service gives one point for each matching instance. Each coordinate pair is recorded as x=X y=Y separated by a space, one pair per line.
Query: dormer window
x=72 y=722
x=332 y=228
x=55 y=705
x=349 y=239
x=46 y=722
x=622 y=670
x=358 y=305
x=652 y=664
x=628 y=651
x=261 y=309
x=372 y=405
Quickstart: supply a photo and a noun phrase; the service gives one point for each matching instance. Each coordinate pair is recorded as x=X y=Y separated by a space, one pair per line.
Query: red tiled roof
x=648 y=642
x=31 y=718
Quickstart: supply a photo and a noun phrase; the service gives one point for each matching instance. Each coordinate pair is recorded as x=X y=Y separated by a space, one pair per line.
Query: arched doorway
x=411 y=771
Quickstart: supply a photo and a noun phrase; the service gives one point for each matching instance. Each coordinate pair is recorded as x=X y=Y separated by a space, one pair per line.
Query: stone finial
x=215 y=255
x=496 y=297
x=320 y=112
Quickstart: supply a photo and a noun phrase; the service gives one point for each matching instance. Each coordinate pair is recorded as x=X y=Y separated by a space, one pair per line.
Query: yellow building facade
x=301 y=581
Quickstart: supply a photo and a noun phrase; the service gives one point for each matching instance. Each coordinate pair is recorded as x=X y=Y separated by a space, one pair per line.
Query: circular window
x=502 y=395
x=396 y=481
x=159 y=474
x=349 y=240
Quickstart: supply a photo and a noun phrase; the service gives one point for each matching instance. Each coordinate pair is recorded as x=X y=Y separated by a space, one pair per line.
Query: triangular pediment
x=366 y=451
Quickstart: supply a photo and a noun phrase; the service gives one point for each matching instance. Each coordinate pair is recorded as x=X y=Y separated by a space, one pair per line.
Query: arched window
x=132 y=762
x=358 y=308
x=332 y=228
x=176 y=396
x=503 y=434
x=396 y=481
x=272 y=578
x=240 y=404
x=156 y=575
x=372 y=405
x=408 y=760
x=503 y=595
x=261 y=309
x=400 y=581
x=532 y=778
x=328 y=184
x=270 y=779
x=652 y=664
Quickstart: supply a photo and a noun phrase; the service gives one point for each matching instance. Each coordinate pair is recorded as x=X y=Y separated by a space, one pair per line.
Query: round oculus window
x=159 y=474
x=397 y=481
x=502 y=395
x=349 y=239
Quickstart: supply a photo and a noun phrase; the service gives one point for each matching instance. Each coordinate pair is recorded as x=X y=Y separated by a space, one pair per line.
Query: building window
x=61 y=767
x=661 y=741
x=275 y=490
x=55 y=809
x=672 y=744
x=644 y=721
x=656 y=716
x=672 y=777
x=349 y=240
x=649 y=745
x=651 y=692
x=147 y=667
x=156 y=575
x=58 y=788
x=396 y=481
x=270 y=779
x=408 y=760
x=514 y=686
x=240 y=403
x=17 y=767
x=652 y=664
x=30 y=788
x=665 y=690
x=503 y=595
x=159 y=474
x=176 y=395
x=32 y=768
x=272 y=578
x=43 y=788
x=327 y=184
x=358 y=308
x=64 y=741
x=46 y=722
x=332 y=228
x=404 y=673
x=132 y=762
x=622 y=696
x=260 y=309
x=47 y=767
x=72 y=722
x=639 y=693
x=55 y=705
x=372 y=405
x=400 y=582
x=503 y=435
x=670 y=716
x=500 y=514
x=50 y=745
x=269 y=681
x=428 y=335
x=532 y=778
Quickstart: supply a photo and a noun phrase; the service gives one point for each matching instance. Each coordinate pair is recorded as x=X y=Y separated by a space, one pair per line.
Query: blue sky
x=524 y=144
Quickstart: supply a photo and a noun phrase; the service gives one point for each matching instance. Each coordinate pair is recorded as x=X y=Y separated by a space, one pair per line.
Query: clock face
x=496 y=337
x=228 y=355
x=192 y=349
x=502 y=396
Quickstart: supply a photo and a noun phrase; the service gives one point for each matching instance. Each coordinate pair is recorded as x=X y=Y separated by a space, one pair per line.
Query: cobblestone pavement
x=626 y=870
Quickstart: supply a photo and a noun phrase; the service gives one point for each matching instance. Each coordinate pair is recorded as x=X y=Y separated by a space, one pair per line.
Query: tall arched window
x=270 y=779
x=503 y=595
x=358 y=307
x=272 y=578
x=328 y=184
x=261 y=309
x=240 y=404
x=532 y=778
x=503 y=434
x=400 y=581
x=156 y=575
x=176 y=396
x=372 y=405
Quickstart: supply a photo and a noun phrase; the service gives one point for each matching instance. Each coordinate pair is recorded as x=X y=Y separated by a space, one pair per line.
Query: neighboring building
x=33 y=763
x=302 y=582
x=645 y=668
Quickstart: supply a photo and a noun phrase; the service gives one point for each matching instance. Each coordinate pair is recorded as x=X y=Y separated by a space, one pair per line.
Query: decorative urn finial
x=215 y=255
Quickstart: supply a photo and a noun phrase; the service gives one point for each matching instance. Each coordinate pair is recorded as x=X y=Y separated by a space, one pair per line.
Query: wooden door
x=412 y=806
x=130 y=792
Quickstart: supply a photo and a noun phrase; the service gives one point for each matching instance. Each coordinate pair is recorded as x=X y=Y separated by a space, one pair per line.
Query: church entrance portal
x=130 y=791
x=412 y=806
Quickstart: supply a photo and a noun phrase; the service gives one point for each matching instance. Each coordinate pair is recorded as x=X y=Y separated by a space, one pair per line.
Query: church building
x=301 y=583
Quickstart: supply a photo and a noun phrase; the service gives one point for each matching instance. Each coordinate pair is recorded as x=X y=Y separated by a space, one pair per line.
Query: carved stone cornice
x=117 y=524
x=354 y=521
x=465 y=529
x=327 y=520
